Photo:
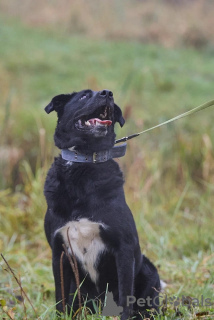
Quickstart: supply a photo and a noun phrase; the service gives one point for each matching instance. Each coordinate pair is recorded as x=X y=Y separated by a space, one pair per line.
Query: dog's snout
x=106 y=93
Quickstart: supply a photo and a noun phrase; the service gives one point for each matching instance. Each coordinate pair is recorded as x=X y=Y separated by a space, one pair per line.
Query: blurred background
x=157 y=58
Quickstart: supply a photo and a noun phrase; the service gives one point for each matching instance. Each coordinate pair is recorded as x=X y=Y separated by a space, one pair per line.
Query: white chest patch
x=86 y=243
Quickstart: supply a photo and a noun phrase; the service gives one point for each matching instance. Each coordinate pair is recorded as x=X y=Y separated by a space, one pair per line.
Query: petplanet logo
x=173 y=301
x=111 y=309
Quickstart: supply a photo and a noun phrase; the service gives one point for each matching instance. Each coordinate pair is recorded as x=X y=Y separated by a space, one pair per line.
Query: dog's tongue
x=94 y=121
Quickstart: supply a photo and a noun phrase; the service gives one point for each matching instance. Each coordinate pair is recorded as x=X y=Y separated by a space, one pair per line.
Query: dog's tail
x=163 y=285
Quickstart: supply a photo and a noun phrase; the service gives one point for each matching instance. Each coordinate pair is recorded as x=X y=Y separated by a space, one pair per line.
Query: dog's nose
x=106 y=93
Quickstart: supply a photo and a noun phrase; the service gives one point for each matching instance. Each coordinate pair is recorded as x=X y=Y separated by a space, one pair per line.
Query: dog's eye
x=83 y=97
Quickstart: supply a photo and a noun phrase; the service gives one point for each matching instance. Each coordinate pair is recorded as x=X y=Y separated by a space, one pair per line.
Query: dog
x=87 y=207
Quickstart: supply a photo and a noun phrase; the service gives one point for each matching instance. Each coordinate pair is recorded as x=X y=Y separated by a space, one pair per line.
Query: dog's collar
x=94 y=157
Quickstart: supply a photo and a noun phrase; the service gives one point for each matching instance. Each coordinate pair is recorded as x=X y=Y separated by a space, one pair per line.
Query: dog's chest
x=86 y=243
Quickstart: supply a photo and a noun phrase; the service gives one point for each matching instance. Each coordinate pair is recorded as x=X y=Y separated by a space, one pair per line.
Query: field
x=169 y=172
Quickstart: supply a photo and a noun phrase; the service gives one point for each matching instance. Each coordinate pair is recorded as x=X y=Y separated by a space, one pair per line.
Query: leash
x=185 y=114
x=119 y=151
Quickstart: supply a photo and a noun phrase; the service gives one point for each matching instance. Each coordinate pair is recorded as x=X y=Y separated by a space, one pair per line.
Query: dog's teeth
x=87 y=123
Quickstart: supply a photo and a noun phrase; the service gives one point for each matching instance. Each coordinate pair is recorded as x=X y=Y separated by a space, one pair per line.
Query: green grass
x=169 y=172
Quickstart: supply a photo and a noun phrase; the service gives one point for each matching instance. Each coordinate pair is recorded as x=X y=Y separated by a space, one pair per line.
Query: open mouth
x=101 y=118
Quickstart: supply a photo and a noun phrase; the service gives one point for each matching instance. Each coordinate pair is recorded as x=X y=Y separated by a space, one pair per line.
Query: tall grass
x=166 y=22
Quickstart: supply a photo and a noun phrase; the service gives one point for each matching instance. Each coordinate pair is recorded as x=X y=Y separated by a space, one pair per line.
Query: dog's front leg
x=125 y=270
x=62 y=277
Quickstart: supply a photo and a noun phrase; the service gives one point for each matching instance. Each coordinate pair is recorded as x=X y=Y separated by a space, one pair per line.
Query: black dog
x=84 y=192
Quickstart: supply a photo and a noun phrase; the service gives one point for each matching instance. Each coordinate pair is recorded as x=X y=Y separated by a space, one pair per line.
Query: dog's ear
x=58 y=102
x=118 y=115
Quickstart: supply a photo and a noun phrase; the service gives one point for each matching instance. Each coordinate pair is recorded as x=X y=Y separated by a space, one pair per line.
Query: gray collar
x=94 y=157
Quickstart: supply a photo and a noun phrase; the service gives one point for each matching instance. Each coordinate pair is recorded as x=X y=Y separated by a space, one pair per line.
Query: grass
x=169 y=172
x=166 y=22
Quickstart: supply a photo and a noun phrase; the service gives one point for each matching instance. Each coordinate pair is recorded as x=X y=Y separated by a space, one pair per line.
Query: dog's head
x=86 y=119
